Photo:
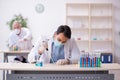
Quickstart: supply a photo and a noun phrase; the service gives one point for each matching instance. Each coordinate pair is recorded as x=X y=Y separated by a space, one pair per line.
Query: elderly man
x=20 y=38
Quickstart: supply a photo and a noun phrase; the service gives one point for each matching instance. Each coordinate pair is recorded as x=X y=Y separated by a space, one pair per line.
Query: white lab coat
x=24 y=45
x=70 y=49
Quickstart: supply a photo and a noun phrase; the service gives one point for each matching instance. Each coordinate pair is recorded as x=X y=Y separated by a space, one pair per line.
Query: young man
x=21 y=39
x=59 y=49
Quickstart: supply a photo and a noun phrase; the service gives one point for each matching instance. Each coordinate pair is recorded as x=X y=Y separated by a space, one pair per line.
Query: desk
x=12 y=53
x=26 y=71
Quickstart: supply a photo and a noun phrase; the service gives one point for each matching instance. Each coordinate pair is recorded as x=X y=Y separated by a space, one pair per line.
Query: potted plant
x=18 y=18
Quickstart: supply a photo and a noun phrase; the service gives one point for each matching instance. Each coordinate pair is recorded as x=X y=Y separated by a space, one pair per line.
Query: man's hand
x=21 y=40
x=62 y=62
x=43 y=47
x=41 y=50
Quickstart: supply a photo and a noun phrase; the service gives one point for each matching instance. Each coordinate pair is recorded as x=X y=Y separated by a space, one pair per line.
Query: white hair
x=16 y=22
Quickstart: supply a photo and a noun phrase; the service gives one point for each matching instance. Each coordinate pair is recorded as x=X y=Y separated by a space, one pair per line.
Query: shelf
x=92 y=25
x=101 y=4
x=77 y=4
x=76 y=29
x=78 y=16
x=101 y=28
x=99 y=16
x=82 y=40
x=103 y=51
x=101 y=10
x=77 y=9
x=101 y=40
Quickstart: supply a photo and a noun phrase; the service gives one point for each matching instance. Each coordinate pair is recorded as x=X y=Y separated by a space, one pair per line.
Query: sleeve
x=28 y=35
x=74 y=52
x=11 y=40
x=34 y=52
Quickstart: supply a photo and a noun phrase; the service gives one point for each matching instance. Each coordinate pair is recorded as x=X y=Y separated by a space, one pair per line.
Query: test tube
x=84 y=60
x=81 y=60
x=88 y=60
x=92 y=60
x=87 y=56
x=99 y=61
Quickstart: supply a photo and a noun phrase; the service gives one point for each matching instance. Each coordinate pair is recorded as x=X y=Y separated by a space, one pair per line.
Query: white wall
x=49 y=20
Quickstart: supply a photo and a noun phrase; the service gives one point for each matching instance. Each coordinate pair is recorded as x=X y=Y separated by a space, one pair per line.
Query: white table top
x=17 y=52
x=54 y=67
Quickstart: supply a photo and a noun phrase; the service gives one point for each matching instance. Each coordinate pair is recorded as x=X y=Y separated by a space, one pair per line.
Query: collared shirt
x=57 y=53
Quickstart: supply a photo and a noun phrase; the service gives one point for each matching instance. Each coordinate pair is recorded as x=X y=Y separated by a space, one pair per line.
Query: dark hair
x=65 y=29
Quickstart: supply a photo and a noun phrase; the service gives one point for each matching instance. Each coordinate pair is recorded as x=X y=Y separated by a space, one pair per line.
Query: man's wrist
x=68 y=61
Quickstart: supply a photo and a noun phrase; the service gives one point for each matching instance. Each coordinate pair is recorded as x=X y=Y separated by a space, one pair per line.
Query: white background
x=49 y=20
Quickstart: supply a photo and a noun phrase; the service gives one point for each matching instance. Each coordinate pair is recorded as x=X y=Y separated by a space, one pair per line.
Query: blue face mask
x=57 y=43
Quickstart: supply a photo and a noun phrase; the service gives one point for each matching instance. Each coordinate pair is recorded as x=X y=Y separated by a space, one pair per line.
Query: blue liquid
x=40 y=64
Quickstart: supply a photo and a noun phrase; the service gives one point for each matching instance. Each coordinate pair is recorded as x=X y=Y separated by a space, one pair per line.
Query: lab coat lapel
x=50 y=47
x=66 y=50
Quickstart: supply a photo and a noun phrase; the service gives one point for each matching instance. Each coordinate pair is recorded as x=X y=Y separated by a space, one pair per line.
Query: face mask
x=17 y=31
x=57 y=43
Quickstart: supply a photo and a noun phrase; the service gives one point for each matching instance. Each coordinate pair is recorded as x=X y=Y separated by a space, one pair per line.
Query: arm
x=28 y=35
x=34 y=52
x=74 y=52
x=11 y=40
x=38 y=50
